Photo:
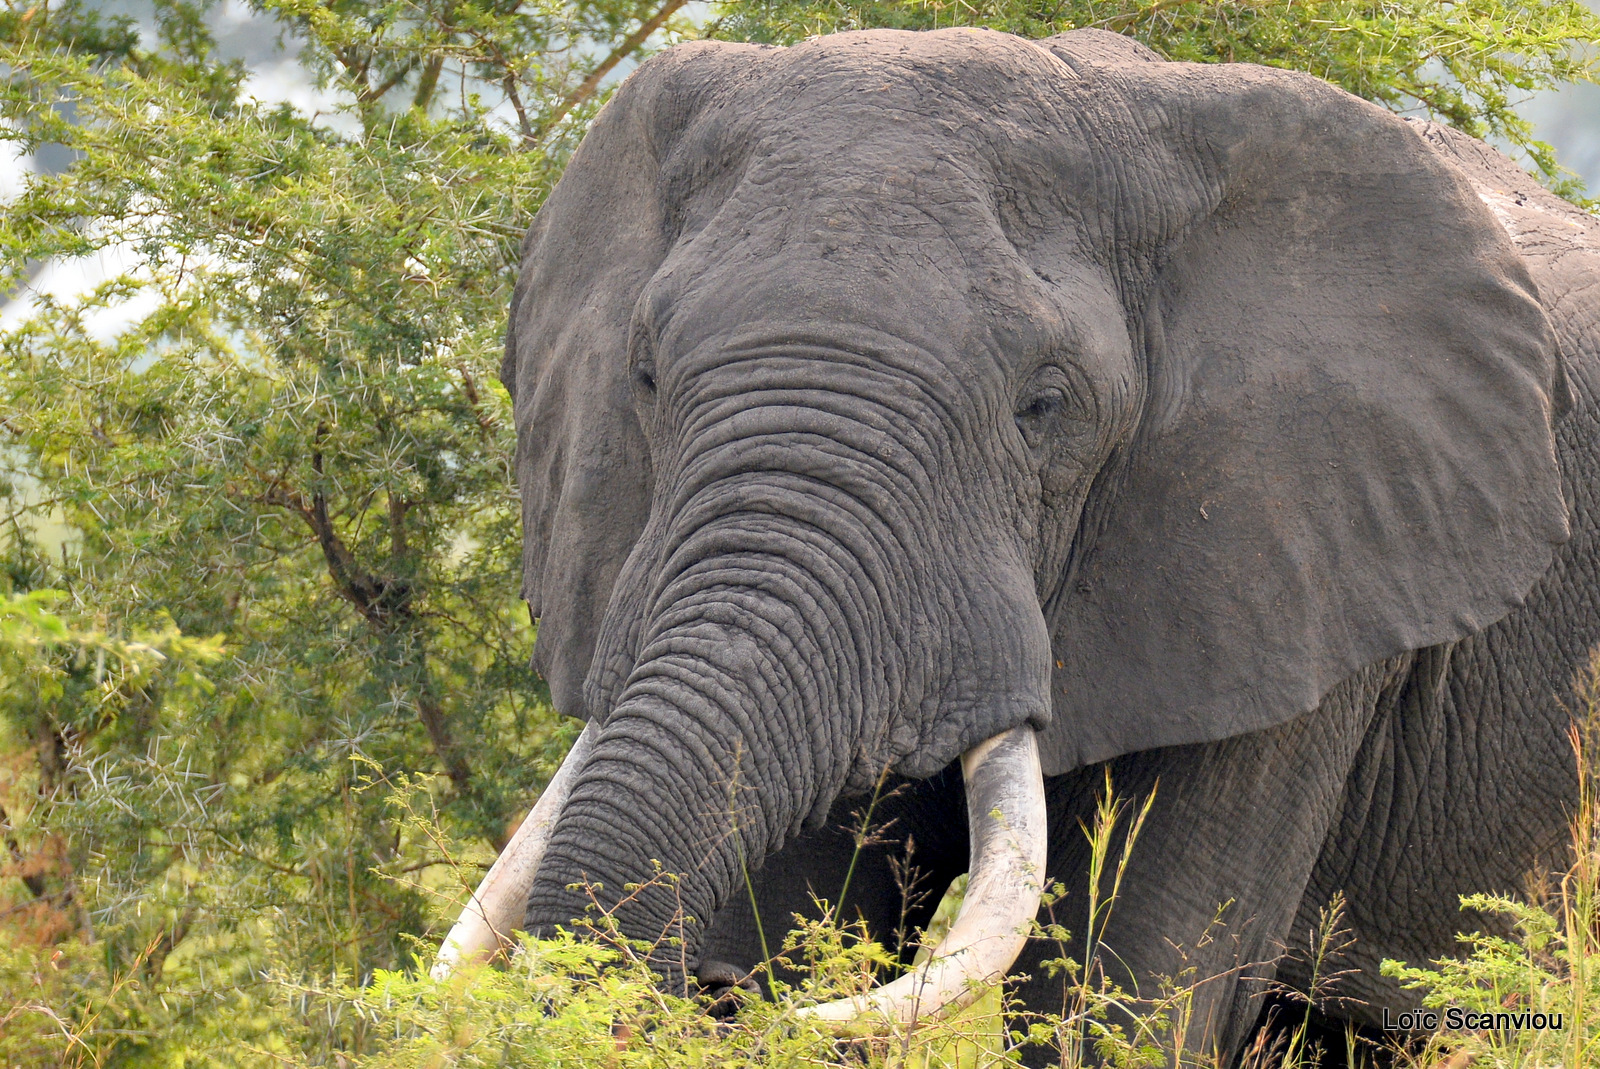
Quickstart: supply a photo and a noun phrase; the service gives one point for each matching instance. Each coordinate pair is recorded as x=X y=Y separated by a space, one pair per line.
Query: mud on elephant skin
x=891 y=394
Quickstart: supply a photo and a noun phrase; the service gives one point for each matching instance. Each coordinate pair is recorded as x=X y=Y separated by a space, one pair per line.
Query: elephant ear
x=1346 y=449
x=582 y=463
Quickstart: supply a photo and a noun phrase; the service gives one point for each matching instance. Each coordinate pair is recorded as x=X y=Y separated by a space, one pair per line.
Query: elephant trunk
x=715 y=753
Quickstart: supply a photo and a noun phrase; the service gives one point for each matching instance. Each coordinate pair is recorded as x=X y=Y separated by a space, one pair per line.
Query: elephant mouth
x=1006 y=815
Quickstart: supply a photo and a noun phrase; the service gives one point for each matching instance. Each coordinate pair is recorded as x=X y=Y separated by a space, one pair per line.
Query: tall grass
x=589 y=997
x=1552 y=964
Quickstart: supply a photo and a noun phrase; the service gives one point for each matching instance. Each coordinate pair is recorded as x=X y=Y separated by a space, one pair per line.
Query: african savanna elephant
x=978 y=412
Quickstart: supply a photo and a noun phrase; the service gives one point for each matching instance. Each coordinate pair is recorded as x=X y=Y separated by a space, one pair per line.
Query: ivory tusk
x=1006 y=814
x=497 y=906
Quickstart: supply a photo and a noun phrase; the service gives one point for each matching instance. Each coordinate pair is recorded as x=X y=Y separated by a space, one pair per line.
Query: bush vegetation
x=264 y=704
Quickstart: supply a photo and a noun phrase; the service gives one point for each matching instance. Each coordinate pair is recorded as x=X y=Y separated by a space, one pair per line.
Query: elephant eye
x=1042 y=406
x=1050 y=408
x=644 y=373
x=1042 y=411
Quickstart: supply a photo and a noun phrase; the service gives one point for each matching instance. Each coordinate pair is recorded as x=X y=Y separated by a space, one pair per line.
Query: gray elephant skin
x=884 y=393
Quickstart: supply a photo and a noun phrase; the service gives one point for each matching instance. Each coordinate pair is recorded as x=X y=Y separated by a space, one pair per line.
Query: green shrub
x=1552 y=964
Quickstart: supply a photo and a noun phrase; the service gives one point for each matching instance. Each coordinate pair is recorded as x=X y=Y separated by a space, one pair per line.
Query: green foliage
x=47 y=662
x=33 y=640
x=279 y=425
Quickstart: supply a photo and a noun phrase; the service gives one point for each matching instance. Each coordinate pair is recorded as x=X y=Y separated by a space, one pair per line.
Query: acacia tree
x=294 y=441
x=281 y=427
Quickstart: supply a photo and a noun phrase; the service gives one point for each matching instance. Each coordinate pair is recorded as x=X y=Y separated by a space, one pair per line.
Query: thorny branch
x=618 y=54
x=385 y=604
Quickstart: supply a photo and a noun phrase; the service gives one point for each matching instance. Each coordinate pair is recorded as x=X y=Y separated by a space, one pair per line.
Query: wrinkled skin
x=883 y=393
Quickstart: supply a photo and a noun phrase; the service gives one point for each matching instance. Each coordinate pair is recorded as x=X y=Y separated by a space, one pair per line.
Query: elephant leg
x=1214 y=880
x=916 y=844
x=1461 y=786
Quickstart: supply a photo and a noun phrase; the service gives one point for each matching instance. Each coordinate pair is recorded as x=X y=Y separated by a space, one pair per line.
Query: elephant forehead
x=881 y=112
x=940 y=275
x=919 y=173
x=804 y=170
x=945 y=74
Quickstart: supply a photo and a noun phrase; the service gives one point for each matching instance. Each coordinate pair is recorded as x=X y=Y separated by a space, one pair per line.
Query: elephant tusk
x=497 y=906
x=1006 y=813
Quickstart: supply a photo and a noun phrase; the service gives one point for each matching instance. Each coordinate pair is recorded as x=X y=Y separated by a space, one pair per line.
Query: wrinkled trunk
x=1008 y=828
x=712 y=758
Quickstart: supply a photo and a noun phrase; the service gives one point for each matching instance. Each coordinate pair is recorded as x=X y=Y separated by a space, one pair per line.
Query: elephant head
x=890 y=393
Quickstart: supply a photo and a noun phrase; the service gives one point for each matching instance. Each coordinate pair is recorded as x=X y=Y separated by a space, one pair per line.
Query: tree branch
x=375 y=93
x=469 y=387
x=428 y=82
x=433 y=720
x=592 y=83
x=384 y=604
x=398 y=507
x=523 y=123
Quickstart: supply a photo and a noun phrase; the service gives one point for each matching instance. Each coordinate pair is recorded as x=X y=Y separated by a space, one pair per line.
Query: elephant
x=904 y=417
